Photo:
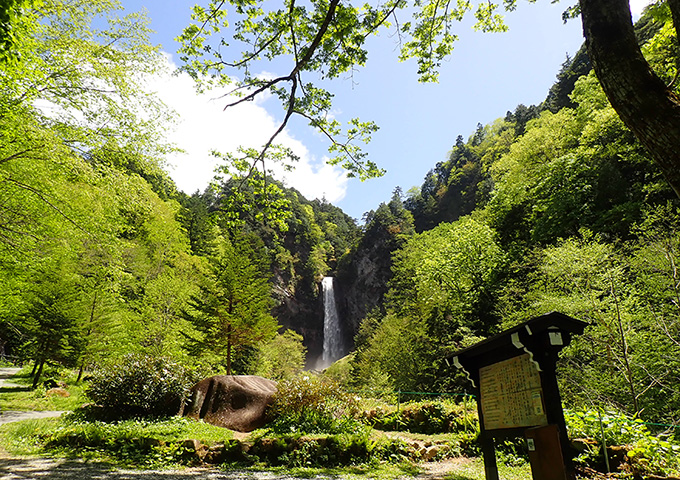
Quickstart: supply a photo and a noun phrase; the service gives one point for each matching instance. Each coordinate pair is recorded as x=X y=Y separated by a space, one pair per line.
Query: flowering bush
x=307 y=404
x=140 y=386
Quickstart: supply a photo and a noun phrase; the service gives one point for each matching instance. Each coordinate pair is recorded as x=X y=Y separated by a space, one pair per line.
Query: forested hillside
x=551 y=207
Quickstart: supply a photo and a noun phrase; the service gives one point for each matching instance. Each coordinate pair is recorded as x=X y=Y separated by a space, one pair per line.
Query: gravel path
x=7 y=416
x=56 y=469
x=51 y=469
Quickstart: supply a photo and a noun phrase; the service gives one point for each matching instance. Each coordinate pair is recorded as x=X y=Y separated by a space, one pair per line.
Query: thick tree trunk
x=642 y=100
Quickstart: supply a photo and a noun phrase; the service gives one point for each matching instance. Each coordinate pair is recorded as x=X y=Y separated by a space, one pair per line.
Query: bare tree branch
x=268 y=84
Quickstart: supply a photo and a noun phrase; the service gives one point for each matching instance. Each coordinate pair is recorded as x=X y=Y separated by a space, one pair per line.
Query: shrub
x=307 y=404
x=282 y=357
x=645 y=452
x=140 y=386
x=430 y=417
x=331 y=450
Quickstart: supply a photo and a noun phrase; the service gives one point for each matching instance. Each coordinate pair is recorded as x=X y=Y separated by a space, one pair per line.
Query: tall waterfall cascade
x=332 y=334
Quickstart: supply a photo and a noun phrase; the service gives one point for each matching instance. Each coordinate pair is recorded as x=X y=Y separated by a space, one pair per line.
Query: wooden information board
x=511 y=394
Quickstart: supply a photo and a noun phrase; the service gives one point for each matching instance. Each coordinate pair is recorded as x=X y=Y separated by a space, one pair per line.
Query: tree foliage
x=232 y=310
x=552 y=207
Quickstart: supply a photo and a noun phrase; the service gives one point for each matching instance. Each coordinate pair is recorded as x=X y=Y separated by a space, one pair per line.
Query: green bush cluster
x=154 y=443
x=311 y=404
x=331 y=450
x=431 y=417
x=140 y=385
x=644 y=451
x=141 y=442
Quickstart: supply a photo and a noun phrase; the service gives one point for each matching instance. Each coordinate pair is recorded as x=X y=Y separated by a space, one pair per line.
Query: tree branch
x=317 y=39
x=19 y=154
x=210 y=17
x=289 y=113
x=330 y=137
x=251 y=96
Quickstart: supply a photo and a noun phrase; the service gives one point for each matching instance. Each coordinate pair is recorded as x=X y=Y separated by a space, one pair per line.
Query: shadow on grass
x=21 y=388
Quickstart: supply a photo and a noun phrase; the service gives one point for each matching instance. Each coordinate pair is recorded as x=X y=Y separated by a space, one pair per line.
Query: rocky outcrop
x=299 y=310
x=363 y=282
x=237 y=402
x=363 y=275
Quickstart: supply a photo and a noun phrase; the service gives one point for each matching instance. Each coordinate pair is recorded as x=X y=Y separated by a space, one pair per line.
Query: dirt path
x=7 y=416
x=5 y=374
x=57 y=469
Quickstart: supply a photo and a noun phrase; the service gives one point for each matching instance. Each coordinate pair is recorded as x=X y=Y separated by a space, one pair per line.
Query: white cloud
x=637 y=6
x=204 y=125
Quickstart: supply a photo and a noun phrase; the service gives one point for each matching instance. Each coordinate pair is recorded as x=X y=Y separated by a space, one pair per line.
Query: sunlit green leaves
x=232 y=309
x=431 y=35
x=282 y=357
x=84 y=80
x=452 y=263
x=488 y=20
x=249 y=193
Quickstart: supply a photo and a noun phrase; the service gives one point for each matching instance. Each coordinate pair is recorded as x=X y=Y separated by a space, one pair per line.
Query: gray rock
x=237 y=402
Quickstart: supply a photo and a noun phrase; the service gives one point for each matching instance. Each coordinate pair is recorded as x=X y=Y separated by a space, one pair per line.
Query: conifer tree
x=232 y=309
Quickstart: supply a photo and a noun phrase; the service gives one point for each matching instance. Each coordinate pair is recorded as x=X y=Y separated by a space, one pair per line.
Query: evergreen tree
x=232 y=310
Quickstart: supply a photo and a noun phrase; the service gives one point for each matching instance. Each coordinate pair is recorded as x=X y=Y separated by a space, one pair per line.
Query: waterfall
x=332 y=335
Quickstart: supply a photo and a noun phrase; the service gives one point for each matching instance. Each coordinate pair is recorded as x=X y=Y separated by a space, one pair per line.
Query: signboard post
x=514 y=378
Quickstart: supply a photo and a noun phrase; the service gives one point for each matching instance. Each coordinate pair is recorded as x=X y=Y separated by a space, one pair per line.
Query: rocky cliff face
x=362 y=287
x=363 y=275
x=361 y=284
x=302 y=312
x=363 y=271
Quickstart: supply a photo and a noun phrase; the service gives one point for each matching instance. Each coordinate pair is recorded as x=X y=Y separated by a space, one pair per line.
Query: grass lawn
x=125 y=443
x=23 y=398
x=473 y=469
x=28 y=438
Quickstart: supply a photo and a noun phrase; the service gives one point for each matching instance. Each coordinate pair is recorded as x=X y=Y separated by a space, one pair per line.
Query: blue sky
x=487 y=75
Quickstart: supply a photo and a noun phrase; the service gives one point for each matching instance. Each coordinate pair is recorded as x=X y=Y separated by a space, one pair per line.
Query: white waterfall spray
x=332 y=335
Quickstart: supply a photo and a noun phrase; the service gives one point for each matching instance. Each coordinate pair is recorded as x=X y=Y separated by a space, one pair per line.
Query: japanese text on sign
x=511 y=394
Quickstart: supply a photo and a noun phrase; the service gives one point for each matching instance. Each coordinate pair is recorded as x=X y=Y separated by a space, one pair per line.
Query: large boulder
x=237 y=402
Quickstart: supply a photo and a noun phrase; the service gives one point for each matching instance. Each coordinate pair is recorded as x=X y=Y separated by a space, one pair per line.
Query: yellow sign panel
x=511 y=394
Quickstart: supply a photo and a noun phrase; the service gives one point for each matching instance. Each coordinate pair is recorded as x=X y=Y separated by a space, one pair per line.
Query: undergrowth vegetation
x=69 y=396
x=314 y=404
x=429 y=417
x=631 y=446
x=41 y=399
x=148 y=443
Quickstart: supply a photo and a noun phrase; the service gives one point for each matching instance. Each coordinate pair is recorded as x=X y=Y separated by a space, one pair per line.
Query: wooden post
x=553 y=406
